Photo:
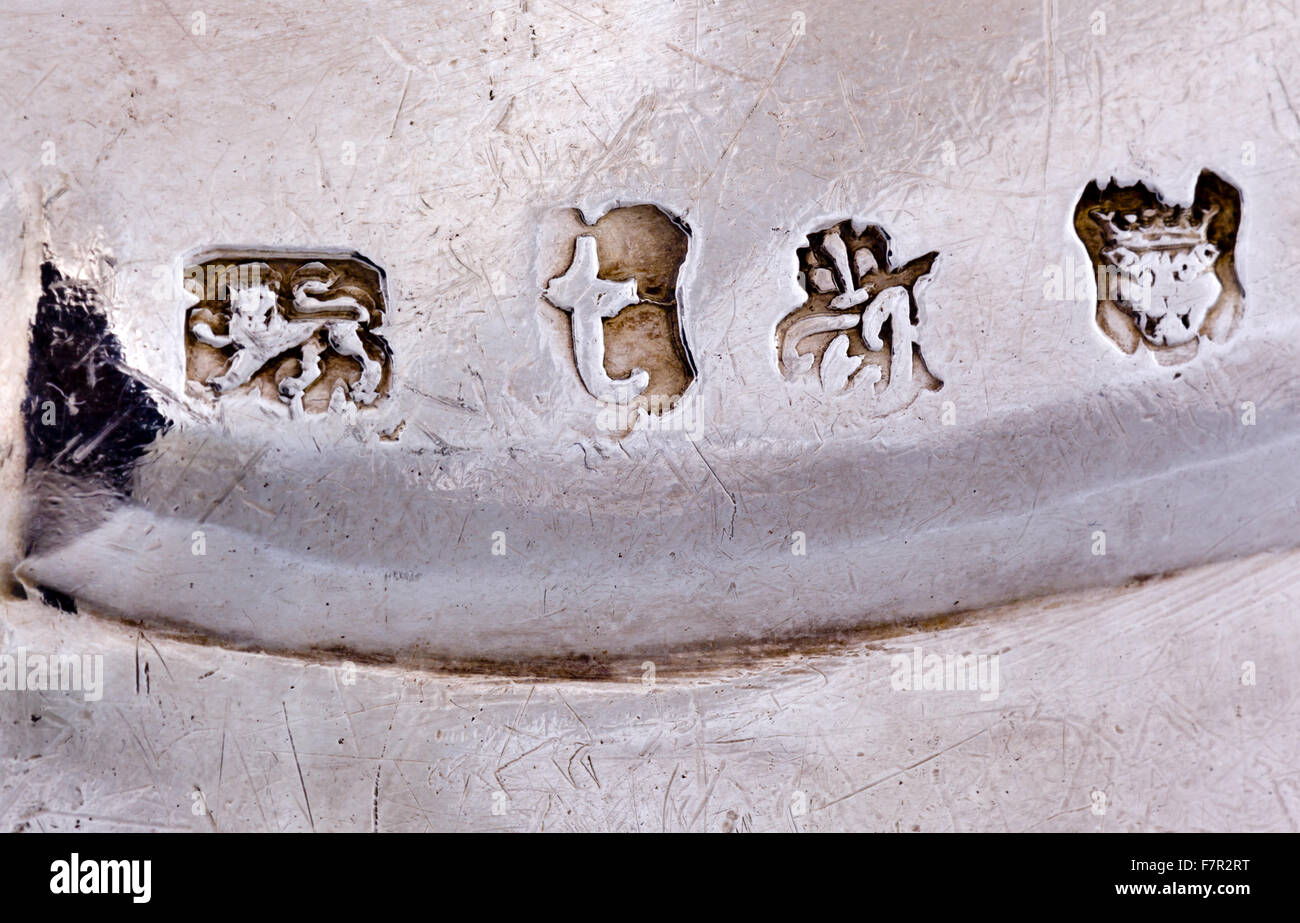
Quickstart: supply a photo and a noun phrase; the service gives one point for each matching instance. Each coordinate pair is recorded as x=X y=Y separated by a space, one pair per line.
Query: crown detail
x=1154 y=228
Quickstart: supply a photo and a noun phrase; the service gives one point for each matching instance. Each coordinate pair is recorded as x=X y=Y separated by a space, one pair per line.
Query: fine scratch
x=767 y=87
x=301 y=781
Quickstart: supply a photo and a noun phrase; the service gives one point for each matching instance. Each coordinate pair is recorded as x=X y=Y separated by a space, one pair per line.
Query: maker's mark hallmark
x=1166 y=274
x=858 y=329
x=300 y=329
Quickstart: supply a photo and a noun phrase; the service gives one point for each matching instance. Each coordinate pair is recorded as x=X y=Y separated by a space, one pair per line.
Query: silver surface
x=438 y=140
x=436 y=143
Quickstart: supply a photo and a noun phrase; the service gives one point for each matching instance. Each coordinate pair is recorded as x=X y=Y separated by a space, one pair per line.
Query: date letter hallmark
x=620 y=292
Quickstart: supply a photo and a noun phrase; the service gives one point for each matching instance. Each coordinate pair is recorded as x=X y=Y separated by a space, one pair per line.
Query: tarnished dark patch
x=87 y=419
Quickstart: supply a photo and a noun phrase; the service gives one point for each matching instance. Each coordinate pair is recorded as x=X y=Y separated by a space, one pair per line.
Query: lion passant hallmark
x=301 y=329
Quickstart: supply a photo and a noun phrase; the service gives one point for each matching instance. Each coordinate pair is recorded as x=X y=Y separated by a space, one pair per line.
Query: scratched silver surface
x=436 y=139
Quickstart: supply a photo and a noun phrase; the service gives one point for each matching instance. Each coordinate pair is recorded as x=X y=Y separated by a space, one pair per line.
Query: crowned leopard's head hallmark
x=298 y=328
x=619 y=289
x=858 y=328
x=1166 y=274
